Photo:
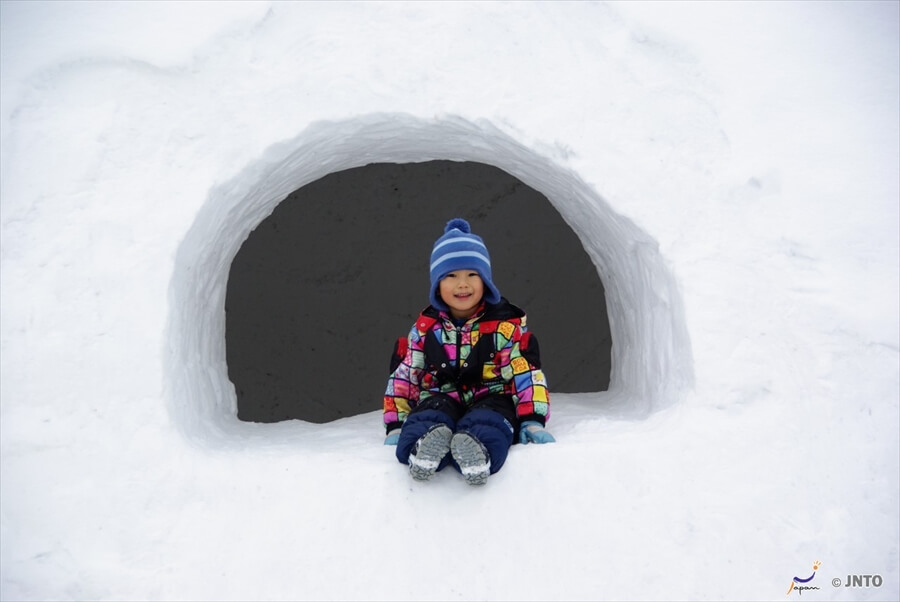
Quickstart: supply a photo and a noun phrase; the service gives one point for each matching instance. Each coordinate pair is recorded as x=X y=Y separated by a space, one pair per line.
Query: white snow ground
x=732 y=168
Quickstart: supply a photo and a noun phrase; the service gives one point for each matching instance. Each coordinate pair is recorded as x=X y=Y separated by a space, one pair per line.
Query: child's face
x=462 y=291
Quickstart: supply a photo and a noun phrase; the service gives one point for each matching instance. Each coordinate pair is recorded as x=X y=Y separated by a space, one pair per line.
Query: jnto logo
x=800 y=584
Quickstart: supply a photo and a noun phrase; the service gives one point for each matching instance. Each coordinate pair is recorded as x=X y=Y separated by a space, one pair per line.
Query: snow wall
x=651 y=359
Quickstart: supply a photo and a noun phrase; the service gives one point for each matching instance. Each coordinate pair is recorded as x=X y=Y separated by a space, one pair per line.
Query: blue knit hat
x=459 y=249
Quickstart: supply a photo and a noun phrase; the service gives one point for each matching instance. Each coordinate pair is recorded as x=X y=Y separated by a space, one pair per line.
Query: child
x=468 y=378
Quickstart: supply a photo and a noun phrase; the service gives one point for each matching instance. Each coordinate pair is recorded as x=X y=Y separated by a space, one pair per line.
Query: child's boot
x=429 y=451
x=472 y=457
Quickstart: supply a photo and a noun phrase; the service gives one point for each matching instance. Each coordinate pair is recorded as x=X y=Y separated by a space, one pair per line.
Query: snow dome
x=727 y=169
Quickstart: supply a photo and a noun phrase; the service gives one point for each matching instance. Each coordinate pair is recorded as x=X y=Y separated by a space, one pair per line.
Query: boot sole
x=431 y=449
x=472 y=458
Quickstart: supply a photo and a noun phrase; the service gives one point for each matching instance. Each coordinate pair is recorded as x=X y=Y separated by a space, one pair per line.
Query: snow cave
x=636 y=350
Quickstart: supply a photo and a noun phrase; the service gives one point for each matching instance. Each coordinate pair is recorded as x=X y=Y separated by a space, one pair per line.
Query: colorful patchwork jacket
x=492 y=353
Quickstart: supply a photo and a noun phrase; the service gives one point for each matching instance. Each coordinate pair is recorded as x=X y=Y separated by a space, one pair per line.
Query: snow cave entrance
x=323 y=286
x=650 y=361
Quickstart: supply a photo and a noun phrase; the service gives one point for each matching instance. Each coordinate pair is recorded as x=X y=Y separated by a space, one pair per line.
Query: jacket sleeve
x=404 y=384
x=520 y=368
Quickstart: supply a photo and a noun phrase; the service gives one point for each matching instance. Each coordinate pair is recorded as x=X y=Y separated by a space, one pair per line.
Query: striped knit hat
x=459 y=249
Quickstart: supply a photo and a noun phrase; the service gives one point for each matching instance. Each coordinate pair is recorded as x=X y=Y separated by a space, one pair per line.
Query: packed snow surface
x=731 y=169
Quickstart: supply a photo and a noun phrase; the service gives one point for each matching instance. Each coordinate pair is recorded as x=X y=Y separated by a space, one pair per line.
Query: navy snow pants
x=492 y=420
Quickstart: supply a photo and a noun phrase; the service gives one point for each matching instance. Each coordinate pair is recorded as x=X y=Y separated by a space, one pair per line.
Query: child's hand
x=393 y=437
x=532 y=432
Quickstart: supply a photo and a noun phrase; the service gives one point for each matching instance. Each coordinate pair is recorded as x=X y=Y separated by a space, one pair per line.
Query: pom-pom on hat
x=459 y=249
